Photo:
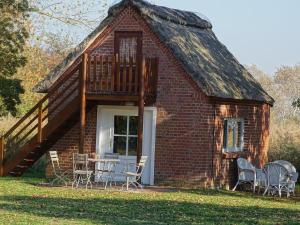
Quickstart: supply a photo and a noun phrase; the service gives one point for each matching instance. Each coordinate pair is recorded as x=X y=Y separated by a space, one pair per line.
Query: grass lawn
x=23 y=202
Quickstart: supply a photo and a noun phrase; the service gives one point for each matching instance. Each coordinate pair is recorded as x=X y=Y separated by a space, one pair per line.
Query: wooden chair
x=133 y=178
x=81 y=172
x=60 y=176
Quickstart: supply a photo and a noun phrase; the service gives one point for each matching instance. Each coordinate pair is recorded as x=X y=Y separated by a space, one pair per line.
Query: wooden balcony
x=110 y=78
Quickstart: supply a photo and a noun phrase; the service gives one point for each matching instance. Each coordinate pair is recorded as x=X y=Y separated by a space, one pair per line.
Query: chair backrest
x=141 y=165
x=289 y=166
x=80 y=161
x=276 y=174
x=244 y=164
x=111 y=156
x=54 y=161
x=246 y=170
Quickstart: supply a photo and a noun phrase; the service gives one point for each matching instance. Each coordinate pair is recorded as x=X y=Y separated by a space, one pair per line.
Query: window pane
x=230 y=138
x=225 y=134
x=120 y=145
x=133 y=125
x=238 y=134
x=128 y=48
x=120 y=125
x=132 y=146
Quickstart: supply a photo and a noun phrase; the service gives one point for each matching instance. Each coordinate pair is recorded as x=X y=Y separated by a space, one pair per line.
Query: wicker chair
x=247 y=173
x=277 y=179
x=292 y=173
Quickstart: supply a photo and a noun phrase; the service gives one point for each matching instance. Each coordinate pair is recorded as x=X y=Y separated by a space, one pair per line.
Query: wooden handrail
x=40 y=125
x=31 y=111
x=33 y=120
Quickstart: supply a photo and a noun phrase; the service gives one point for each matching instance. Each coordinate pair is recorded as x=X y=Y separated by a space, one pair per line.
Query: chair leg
x=267 y=189
x=237 y=183
x=127 y=183
x=279 y=192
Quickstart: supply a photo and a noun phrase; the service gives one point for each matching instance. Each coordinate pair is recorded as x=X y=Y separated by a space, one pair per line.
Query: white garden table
x=105 y=169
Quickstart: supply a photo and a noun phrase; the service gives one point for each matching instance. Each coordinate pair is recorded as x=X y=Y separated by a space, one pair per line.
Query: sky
x=261 y=32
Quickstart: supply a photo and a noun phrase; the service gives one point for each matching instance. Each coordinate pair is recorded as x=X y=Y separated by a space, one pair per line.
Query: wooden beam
x=141 y=110
x=117 y=98
x=82 y=86
x=1 y=156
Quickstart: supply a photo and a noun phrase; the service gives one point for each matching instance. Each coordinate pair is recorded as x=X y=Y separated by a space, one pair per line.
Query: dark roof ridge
x=176 y=16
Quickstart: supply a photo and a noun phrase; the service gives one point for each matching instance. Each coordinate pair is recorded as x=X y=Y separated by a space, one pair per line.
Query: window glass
x=128 y=47
x=120 y=125
x=120 y=145
x=132 y=146
x=133 y=125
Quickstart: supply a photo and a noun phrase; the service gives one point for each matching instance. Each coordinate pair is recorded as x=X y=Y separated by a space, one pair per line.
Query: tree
x=13 y=36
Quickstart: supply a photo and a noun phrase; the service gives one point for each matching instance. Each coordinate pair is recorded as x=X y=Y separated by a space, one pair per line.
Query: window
x=125 y=135
x=128 y=47
x=233 y=135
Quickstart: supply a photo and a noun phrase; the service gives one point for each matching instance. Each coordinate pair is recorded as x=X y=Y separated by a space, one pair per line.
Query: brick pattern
x=189 y=124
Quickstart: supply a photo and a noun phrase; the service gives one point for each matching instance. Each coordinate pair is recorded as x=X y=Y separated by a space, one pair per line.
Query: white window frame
x=242 y=132
x=127 y=135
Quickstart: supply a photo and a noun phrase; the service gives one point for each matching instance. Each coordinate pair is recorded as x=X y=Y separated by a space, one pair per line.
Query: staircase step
x=28 y=160
x=22 y=167
x=15 y=173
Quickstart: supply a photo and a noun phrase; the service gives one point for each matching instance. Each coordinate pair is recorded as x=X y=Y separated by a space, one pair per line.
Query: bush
x=285 y=143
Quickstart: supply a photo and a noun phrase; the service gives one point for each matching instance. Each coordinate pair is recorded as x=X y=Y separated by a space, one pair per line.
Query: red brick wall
x=186 y=149
x=256 y=138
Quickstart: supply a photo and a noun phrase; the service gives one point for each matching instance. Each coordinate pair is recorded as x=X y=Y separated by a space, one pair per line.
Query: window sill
x=235 y=155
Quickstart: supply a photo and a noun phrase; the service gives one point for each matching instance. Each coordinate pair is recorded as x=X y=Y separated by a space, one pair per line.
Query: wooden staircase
x=41 y=127
x=93 y=78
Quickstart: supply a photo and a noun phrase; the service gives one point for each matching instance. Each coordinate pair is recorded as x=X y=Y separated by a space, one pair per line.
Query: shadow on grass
x=117 y=211
x=245 y=195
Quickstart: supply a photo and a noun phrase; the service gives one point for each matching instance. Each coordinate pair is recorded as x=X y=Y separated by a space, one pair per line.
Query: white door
x=117 y=133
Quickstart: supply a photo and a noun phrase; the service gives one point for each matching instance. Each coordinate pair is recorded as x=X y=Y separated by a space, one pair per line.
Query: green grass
x=23 y=202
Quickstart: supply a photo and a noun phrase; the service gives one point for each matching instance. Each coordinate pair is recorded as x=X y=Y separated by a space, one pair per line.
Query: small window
x=233 y=135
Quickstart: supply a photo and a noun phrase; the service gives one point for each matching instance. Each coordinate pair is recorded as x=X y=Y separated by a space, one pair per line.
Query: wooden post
x=1 y=156
x=82 y=86
x=141 y=111
x=40 y=121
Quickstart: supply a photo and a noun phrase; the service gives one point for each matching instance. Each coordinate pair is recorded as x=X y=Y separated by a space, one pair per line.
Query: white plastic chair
x=277 y=179
x=133 y=178
x=81 y=171
x=60 y=176
x=247 y=173
x=292 y=173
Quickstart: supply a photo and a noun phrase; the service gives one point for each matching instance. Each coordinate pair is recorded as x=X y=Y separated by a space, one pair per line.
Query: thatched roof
x=192 y=41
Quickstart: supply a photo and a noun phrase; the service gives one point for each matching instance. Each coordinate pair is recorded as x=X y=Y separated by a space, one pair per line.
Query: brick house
x=152 y=81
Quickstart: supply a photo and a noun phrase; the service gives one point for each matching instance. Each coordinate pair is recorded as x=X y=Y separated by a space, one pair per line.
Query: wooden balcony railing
x=110 y=76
